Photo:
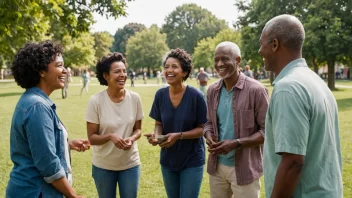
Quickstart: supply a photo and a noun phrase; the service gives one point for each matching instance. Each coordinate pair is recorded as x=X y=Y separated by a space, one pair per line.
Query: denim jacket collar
x=239 y=84
x=40 y=93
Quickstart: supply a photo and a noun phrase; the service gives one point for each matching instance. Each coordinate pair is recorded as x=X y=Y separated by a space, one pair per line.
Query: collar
x=40 y=93
x=301 y=62
x=239 y=84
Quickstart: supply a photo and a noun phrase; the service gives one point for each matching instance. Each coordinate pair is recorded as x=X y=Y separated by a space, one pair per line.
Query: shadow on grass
x=344 y=104
x=10 y=94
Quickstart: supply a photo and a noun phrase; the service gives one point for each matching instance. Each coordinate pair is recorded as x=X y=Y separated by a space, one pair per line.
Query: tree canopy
x=328 y=26
x=35 y=20
x=146 y=48
x=188 y=24
x=102 y=44
x=123 y=34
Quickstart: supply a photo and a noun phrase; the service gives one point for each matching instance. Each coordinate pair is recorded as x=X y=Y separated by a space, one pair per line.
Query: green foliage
x=204 y=52
x=102 y=44
x=189 y=24
x=146 y=48
x=79 y=52
x=122 y=35
x=328 y=25
x=22 y=21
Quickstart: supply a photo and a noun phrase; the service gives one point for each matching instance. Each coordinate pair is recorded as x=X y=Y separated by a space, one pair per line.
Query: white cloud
x=154 y=12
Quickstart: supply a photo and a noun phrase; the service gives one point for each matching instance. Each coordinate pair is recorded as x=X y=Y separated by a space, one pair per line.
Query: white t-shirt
x=67 y=155
x=115 y=118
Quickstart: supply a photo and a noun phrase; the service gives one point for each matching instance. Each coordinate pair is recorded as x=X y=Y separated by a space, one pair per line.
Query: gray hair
x=287 y=29
x=233 y=47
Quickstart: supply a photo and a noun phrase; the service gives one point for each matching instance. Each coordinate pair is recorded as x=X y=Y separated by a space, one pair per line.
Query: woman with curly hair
x=114 y=119
x=39 y=145
x=179 y=112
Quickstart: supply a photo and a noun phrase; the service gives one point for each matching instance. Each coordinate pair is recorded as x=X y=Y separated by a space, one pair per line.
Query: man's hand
x=223 y=147
x=171 y=139
x=118 y=141
x=210 y=139
x=79 y=145
x=151 y=139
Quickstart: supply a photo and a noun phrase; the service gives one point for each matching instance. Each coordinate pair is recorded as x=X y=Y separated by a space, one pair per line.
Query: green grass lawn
x=72 y=111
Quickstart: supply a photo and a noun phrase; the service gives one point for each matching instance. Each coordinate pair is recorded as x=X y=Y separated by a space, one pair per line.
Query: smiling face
x=173 y=71
x=224 y=62
x=54 y=77
x=117 y=75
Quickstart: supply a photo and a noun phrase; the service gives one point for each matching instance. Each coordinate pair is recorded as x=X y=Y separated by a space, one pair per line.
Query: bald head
x=234 y=49
x=287 y=29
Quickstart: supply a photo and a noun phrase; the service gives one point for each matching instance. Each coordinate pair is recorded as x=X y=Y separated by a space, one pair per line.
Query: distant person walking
x=145 y=77
x=132 y=76
x=202 y=80
x=85 y=79
x=248 y=72
x=68 y=79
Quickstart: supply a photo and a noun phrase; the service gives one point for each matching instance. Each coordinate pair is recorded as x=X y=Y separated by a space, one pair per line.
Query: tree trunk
x=315 y=64
x=331 y=74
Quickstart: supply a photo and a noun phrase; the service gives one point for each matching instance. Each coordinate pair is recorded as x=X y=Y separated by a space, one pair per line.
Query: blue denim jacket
x=36 y=146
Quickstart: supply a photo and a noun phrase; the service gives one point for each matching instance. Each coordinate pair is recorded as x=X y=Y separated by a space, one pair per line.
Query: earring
x=42 y=75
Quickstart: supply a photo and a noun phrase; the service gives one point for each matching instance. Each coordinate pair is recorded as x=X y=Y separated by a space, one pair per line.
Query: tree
x=79 y=52
x=146 y=48
x=328 y=25
x=23 y=21
x=102 y=44
x=188 y=24
x=204 y=52
x=122 y=35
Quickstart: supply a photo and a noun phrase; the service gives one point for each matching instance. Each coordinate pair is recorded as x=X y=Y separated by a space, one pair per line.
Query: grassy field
x=72 y=111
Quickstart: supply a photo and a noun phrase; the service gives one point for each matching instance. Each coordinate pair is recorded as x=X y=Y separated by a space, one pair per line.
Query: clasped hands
x=124 y=144
x=220 y=148
x=171 y=139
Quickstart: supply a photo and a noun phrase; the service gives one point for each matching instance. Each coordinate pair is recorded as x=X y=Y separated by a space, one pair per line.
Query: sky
x=150 y=12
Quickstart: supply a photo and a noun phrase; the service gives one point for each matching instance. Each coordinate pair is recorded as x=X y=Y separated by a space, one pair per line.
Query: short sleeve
x=92 y=115
x=201 y=110
x=155 y=111
x=290 y=120
x=140 y=113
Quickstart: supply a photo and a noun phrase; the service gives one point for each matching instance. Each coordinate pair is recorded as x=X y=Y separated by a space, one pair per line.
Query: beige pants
x=223 y=184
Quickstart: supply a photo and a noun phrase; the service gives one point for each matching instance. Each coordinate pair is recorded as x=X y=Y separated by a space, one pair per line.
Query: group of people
x=296 y=132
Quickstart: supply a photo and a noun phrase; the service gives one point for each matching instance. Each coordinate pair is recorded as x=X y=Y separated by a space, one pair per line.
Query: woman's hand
x=129 y=141
x=79 y=145
x=151 y=139
x=118 y=141
x=171 y=139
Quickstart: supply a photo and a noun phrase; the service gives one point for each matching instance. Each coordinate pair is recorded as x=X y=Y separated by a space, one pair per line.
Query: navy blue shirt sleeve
x=155 y=111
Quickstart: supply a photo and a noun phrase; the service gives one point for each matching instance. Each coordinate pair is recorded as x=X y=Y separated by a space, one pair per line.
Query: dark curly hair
x=103 y=65
x=33 y=58
x=184 y=58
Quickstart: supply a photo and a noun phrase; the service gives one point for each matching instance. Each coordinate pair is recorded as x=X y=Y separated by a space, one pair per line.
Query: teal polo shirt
x=226 y=124
x=302 y=119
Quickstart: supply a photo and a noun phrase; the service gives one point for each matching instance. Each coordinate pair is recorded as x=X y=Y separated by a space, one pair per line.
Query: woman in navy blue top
x=179 y=112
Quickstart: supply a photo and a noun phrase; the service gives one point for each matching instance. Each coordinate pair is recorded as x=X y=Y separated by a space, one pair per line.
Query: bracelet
x=181 y=136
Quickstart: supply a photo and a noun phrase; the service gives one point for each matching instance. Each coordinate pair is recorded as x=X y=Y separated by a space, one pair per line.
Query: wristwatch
x=239 y=144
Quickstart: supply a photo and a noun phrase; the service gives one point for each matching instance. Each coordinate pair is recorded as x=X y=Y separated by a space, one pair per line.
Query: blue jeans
x=107 y=180
x=184 y=183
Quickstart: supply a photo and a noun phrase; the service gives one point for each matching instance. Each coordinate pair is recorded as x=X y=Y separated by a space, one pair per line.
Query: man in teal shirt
x=302 y=156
